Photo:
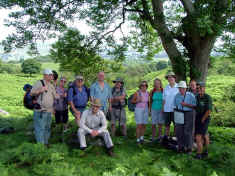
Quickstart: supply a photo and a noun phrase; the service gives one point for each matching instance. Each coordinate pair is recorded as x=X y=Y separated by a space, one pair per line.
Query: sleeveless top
x=145 y=99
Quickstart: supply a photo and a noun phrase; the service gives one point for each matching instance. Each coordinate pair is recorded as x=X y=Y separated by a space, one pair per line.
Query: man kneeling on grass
x=93 y=122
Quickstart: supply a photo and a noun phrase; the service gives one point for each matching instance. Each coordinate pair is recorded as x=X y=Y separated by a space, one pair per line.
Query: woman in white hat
x=184 y=103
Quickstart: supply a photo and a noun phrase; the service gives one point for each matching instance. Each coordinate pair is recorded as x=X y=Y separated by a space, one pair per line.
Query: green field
x=20 y=156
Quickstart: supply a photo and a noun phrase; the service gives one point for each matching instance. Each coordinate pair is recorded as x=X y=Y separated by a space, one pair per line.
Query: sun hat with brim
x=47 y=72
x=170 y=74
x=79 y=77
x=118 y=80
x=96 y=102
x=182 y=84
x=27 y=86
x=201 y=84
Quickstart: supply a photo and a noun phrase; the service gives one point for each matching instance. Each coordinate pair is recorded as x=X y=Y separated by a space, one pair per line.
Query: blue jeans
x=42 y=126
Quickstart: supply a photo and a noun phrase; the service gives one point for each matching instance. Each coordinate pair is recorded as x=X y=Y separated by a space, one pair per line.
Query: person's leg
x=138 y=115
x=167 y=123
x=188 y=131
x=138 y=127
x=113 y=122
x=123 y=122
x=171 y=114
x=65 y=119
x=153 y=131
x=143 y=127
x=82 y=138
x=154 y=122
x=57 y=117
x=107 y=139
x=159 y=130
x=160 y=122
x=48 y=120
x=180 y=138
x=199 y=143
x=144 y=122
x=38 y=130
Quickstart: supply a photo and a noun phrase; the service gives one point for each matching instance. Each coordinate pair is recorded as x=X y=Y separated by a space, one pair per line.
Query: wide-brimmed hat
x=182 y=84
x=201 y=84
x=47 y=72
x=79 y=77
x=118 y=80
x=96 y=102
x=170 y=74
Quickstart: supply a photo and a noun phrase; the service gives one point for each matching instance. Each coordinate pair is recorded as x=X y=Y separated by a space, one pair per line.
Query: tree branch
x=188 y=5
x=146 y=14
x=134 y=10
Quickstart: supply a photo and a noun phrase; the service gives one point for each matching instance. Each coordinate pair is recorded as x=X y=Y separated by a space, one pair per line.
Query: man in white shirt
x=93 y=122
x=169 y=94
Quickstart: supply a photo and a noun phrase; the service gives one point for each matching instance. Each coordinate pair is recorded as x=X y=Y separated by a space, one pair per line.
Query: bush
x=31 y=66
x=9 y=68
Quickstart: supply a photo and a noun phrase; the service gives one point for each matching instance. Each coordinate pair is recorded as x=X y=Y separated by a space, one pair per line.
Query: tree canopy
x=188 y=29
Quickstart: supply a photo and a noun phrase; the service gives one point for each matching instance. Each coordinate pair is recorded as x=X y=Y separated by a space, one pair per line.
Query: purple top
x=61 y=103
x=144 y=100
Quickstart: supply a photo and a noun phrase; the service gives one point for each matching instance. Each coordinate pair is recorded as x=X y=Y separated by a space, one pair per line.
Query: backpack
x=30 y=101
x=131 y=106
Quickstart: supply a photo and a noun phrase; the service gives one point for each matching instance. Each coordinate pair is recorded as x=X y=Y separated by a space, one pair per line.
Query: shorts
x=168 y=117
x=79 y=109
x=201 y=128
x=157 y=117
x=117 y=114
x=141 y=115
x=61 y=116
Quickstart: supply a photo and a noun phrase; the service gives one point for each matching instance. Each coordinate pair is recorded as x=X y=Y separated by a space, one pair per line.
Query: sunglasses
x=144 y=85
x=63 y=81
x=80 y=80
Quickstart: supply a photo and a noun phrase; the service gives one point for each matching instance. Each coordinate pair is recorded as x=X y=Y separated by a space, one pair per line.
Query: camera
x=37 y=106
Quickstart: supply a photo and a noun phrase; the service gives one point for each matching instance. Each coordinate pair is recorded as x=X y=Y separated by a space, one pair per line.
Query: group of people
x=189 y=109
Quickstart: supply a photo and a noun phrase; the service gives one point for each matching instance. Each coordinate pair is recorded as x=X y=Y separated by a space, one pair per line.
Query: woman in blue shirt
x=156 y=108
x=185 y=102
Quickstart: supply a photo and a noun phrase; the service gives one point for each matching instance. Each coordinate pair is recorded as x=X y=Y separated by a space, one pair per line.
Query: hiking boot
x=180 y=150
x=141 y=141
x=188 y=151
x=198 y=156
x=110 y=152
x=205 y=154
x=82 y=148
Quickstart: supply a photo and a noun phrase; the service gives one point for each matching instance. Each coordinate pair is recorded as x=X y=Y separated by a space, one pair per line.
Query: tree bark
x=200 y=59
x=169 y=45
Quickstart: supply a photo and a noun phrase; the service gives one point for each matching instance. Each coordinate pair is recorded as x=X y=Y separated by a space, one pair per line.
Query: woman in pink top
x=141 y=99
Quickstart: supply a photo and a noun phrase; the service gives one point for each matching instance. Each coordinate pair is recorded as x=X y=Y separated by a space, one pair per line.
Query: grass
x=20 y=156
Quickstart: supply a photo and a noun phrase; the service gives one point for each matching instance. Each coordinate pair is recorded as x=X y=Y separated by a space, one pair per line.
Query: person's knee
x=81 y=131
x=198 y=138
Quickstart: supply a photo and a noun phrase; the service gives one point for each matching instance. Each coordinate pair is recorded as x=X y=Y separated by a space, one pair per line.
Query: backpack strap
x=43 y=85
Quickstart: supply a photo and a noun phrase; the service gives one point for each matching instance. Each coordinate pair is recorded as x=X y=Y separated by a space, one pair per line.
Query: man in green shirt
x=203 y=110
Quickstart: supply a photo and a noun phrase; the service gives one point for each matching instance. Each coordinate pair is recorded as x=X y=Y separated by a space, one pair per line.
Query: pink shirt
x=144 y=100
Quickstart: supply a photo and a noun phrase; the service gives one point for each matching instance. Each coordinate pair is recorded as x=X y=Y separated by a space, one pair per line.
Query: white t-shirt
x=169 y=94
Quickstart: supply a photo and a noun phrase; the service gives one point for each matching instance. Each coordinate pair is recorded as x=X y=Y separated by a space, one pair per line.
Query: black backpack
x=30 y=101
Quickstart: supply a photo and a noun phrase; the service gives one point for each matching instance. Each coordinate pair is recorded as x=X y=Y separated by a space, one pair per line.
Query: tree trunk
x=200 y=60
x=169 y=45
